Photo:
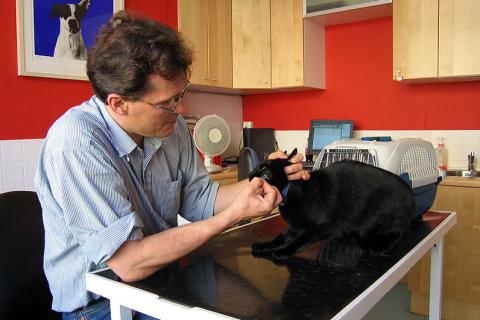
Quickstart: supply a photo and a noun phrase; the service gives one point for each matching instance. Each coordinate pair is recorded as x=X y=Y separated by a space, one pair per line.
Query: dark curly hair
x=128 y=50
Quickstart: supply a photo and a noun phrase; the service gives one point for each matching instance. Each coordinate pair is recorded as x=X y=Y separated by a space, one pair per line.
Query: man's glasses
x=171 y=104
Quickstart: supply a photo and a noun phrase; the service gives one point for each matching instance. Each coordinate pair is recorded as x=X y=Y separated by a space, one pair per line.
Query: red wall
x=29 y=105
x=359 y=87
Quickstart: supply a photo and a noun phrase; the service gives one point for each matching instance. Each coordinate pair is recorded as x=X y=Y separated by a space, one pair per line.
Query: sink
x=462 y=173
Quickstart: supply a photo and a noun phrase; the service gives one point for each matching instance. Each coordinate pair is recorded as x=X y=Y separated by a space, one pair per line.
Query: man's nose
x=181 y=107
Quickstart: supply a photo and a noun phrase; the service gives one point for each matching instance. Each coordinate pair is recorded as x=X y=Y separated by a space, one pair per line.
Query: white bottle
x=441 y=152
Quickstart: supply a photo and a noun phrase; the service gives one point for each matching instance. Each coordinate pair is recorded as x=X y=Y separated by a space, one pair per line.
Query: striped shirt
x=98 y=189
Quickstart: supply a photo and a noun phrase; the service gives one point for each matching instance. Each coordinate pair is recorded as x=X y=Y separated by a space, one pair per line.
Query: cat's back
x=355 y=173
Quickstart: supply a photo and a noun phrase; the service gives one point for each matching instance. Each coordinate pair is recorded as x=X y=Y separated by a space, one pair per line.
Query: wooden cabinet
x=270 y=44
x=459 y=38
x=206 y=26
x=436 y=39
x=461 y=276
x=251 y=44
x=298 y=56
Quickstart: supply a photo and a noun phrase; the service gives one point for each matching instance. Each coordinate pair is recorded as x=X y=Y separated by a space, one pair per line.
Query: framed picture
x=53 y=36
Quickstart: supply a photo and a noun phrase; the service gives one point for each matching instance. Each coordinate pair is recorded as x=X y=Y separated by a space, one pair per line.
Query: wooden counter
x=461 y=278
x=226 y=177
x=461 y=182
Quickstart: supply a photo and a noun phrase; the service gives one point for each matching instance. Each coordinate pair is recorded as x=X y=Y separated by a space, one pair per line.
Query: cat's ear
x=294 y=152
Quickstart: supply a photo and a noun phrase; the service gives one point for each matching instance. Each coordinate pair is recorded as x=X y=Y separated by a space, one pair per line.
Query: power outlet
x=247 y=124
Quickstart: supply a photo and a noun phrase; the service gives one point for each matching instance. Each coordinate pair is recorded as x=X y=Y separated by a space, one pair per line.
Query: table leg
x=119 y=312
x=436 y=268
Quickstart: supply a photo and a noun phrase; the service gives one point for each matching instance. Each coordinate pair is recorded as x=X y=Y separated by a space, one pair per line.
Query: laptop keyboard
x=308 y=165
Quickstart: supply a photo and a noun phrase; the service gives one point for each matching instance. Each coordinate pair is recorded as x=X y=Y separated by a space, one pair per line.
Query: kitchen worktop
x=461 y=182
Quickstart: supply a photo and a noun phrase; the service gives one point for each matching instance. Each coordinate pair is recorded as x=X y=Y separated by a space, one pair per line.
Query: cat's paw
x=281 y=254
x=260 y=249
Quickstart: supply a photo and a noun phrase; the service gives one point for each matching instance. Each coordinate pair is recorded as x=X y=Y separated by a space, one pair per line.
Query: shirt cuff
x=101 y=246
x=212 y=197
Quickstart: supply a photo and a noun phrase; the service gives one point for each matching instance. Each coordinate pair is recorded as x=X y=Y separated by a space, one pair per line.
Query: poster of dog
x=54 y=35
x=64 y=29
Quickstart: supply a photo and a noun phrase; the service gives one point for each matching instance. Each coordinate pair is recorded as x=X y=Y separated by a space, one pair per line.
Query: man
x=115 y=171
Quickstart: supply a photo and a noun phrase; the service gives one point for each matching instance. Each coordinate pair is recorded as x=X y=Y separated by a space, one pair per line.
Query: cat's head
x=273 y=171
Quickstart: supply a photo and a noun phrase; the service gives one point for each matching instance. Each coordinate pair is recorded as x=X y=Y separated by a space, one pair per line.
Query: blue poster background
x=46 y=30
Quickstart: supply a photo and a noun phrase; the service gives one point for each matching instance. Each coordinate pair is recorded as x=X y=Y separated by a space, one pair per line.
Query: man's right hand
x=257 y=199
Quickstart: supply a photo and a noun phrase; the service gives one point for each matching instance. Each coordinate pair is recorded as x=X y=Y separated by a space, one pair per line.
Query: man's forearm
x=137 y=259
x=226 y=194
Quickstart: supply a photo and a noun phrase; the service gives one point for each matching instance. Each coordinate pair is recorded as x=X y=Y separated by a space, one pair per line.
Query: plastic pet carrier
x=413 y=160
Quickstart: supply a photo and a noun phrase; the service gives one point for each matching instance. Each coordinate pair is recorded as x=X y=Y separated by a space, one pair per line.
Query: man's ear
x=117 y=104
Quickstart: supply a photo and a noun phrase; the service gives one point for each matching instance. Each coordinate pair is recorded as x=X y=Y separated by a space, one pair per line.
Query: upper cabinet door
x=415 y=39
x=287 y=43
x=251 y=43
x=220 y=43
x=193 y=23
x=459 y=39
x=206 y=25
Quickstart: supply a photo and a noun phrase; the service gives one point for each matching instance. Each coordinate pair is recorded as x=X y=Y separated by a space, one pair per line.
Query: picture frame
x=53 y=47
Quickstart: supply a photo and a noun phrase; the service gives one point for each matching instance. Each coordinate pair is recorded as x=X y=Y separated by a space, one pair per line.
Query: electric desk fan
x=212 y=137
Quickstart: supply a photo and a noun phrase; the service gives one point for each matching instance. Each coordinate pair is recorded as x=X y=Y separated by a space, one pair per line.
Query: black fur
x=348 y=203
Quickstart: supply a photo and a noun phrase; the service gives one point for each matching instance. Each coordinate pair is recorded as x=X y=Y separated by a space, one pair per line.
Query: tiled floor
x=394 y=306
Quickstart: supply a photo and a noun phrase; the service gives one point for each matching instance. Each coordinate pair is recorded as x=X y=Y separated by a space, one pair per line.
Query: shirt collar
x=121 y=140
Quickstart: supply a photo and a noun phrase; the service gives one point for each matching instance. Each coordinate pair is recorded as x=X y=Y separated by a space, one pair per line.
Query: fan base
x=212 y=168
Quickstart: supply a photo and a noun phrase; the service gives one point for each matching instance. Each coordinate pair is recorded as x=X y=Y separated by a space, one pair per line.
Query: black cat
x=347 y=203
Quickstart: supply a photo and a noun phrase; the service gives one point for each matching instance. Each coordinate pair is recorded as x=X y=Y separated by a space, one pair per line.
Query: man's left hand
x=294 y=171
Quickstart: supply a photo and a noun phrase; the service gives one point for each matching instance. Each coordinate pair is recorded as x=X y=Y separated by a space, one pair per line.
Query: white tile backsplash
x=13 y=187
x=13 y=172
x=12 y=150
x=18 y=164
x=29 y=169
x=31 y=149
x=471 y=138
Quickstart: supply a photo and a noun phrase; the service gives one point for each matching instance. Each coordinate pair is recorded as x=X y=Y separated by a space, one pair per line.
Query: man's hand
x=295 y=170
x=257 y=199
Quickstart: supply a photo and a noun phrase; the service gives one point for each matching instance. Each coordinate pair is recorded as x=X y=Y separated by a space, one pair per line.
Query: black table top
x=224 y=277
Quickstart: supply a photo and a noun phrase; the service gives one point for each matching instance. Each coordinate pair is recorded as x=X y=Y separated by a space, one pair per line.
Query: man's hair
x=128 y=50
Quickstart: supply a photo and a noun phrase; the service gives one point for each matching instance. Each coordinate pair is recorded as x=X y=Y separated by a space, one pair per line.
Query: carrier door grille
x=333 y=155
x=418 y=162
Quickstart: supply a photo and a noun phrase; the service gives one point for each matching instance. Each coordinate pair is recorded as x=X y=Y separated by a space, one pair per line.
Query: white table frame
x=124 y=298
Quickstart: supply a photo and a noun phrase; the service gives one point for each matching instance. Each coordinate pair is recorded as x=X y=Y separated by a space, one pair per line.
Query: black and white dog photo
x=70 y=43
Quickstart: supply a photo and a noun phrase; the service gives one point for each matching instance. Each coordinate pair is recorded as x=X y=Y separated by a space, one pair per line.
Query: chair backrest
x=247 y=161
x=24 y=291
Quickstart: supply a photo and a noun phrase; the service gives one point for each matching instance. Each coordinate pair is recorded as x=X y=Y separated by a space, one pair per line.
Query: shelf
x=339 y=12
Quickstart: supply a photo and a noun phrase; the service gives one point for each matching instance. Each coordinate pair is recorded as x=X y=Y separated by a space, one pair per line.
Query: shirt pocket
x=171 y=200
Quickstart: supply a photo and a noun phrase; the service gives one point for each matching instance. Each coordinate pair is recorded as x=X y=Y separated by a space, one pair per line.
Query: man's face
x=145 y=120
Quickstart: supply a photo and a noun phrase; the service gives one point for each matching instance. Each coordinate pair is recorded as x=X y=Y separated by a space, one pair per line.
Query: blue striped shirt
x=98 y=189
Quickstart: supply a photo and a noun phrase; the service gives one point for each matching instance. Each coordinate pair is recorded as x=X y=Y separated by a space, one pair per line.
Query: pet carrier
x=413 y=160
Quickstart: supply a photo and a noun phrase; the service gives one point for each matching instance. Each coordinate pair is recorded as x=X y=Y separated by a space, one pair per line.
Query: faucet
x=471 y=162
x=470 y=173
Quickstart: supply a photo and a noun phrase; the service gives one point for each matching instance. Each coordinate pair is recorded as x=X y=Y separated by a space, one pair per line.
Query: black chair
x=24 y=292
x=247 y=161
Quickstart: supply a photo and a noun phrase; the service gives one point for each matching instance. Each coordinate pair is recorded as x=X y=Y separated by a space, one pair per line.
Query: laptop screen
x=323 y=132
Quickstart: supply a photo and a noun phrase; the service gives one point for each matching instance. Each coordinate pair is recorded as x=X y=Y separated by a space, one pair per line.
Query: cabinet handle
x=214 y=79
x=398 y=76
x=476 y=227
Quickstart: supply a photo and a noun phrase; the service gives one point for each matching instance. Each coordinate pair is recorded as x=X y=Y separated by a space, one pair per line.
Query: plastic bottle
x=441 y=153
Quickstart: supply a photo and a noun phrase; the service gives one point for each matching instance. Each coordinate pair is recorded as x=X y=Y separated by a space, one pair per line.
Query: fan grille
x=212 y=135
